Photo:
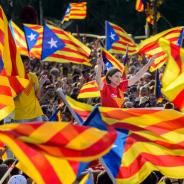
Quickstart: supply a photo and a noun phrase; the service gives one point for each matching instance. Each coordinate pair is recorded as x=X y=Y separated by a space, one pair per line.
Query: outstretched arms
x=140 y=73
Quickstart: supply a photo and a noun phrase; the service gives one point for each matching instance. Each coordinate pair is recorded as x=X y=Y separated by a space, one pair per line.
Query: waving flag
x=151 y=47
x=12 y=73
x=173 y=78
x=117 y=40
x=49 y=152
x=19 y=38
x=111 y=61
x=60 y=46
x=81 y=109
x=75 y=11
x=34 y=35
x=150 y=139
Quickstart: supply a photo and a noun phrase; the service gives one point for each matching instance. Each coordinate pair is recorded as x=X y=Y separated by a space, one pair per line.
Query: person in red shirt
x=112 y=91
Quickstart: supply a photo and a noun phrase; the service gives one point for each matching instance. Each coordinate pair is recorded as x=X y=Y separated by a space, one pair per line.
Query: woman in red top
x=112 y=91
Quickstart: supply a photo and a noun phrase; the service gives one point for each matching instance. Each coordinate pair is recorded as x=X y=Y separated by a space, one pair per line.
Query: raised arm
x=140 y=73
x=99 y=69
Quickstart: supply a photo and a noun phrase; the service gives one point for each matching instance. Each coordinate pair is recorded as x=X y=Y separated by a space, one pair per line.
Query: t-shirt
x=113 y=97
x=26 y=104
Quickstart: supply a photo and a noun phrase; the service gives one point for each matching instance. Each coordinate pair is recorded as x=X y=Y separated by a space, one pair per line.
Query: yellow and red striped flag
x=34 y=36
x=109 y=59
x=151 y=46
x=60 y=46
x=152 y=140
x=82 y=109
x=89 y=90
x=117 y=40
x=19 y=38
x=139 y=5
x=50 y=152
x=173 y=78
x=12 y=73
x=75 y=11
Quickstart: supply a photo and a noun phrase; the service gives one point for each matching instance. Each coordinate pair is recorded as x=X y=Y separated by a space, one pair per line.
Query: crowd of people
x=138 y=92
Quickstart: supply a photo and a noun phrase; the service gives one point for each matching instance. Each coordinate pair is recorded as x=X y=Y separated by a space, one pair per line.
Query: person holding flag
x=27 y=106
x=112 y=90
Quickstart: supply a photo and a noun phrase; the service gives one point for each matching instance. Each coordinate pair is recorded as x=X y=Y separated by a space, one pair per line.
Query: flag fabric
x=117 y=40
x=56 y=116
x=75 y=11
x=125 y=62
x=151 y=140
x=173 y=77
x=81 y=109
x=60 y=46
x=151 y=47
x=111 y=61
x=19 y=38
x=34 y=36
x=50 y=152
x=139 y=5
x=12 y=73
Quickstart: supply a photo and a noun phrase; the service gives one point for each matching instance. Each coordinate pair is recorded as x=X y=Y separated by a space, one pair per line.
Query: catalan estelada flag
x=75 y=11
x=19 y=38
x=173 y=77
x=60 y=46
x=81 y=109
x=151 y=47
x=50 y=152
x=12 y=73
x=150 y=140
x=111 y=61
x=34 y=36
x=117 y=40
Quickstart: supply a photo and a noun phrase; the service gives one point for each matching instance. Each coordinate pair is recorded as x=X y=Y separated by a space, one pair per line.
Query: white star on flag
x=68 y=10
x=112 y=36
x=32 y=37
x=114 y=146
x=52 y=43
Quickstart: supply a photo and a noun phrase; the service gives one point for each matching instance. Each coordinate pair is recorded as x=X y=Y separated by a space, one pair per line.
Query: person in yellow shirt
x=27 y=107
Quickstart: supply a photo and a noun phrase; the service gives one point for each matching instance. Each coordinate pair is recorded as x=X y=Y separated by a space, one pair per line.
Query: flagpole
x=61 y=94
x=8 y=171
x=108 y=171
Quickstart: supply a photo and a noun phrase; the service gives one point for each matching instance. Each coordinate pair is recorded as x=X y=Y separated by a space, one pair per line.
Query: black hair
x=110 y=73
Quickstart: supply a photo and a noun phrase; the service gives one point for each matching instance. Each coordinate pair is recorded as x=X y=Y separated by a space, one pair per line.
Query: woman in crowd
x=112 y=90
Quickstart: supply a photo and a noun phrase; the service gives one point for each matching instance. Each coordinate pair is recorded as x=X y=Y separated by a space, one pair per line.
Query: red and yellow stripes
x=74 y=51
x=19 y=38
x=12 y=78
x=151 y=46
x=139 y=6
x=173 y=78
x=155 y=142
x=35 y=52
x=78 y=10
x=89 y=90
x=43 y=149
x=82 y=109
x=115 y=63
x=75 y=11
x=120 y=46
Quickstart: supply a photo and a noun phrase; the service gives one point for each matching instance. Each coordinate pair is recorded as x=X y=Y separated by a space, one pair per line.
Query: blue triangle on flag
x=51 y=42
x=1 y=64
x=111 y=36
x=31 y=37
